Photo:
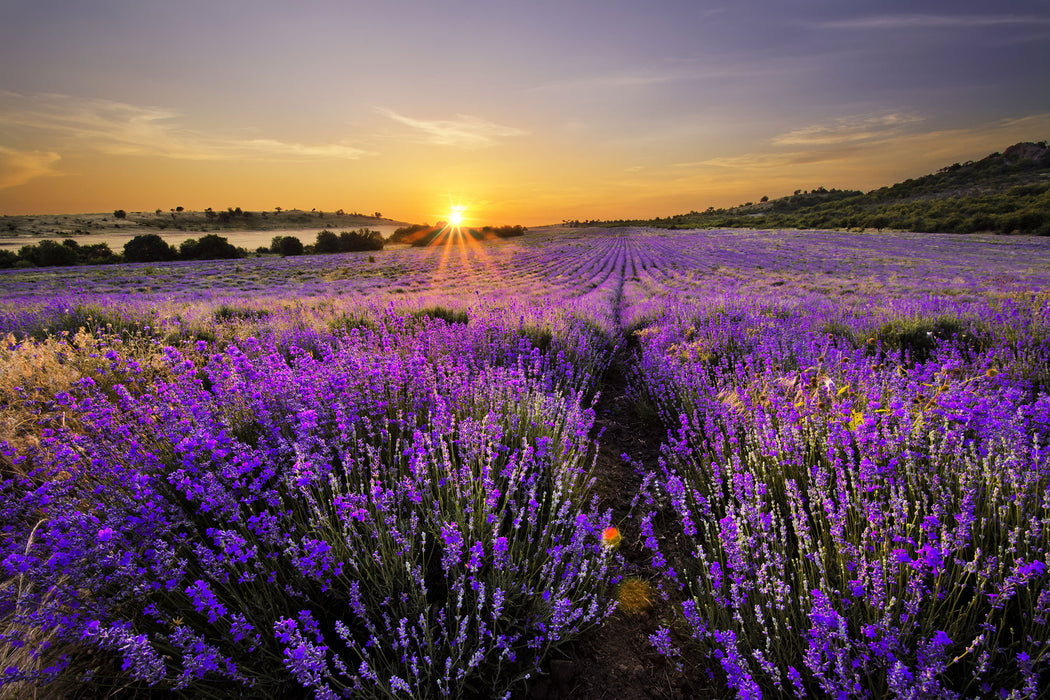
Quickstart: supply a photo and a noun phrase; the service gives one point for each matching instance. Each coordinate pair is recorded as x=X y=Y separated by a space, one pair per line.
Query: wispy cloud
x=625 y=79
x=465 y=131
x=767 y=161
x=284 y=148
x=848 y=130
x=837 y=140
x=807 y=152
x=929 y=21
x=19 y=167
x=75 y=123
x=678 y=73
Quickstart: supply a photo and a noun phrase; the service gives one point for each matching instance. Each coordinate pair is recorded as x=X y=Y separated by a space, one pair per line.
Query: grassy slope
x=1006 y=192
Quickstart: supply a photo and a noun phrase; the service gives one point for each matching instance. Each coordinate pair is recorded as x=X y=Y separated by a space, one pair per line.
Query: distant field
x=592 y=266
x=424 y=470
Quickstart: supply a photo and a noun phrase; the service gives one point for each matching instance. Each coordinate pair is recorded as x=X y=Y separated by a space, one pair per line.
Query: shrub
x=413 y=233
x=50 y=254
x=8 y=258
x=148 y=247
x=209 y=247
x=96 y=254
x=289 y=245
x=362 y=239
x=327 y=242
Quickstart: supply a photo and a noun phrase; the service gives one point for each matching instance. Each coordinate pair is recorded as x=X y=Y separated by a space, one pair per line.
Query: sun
x=455 y=216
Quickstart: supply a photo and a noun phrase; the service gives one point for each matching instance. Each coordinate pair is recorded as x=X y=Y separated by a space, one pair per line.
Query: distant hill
x=1006 y=192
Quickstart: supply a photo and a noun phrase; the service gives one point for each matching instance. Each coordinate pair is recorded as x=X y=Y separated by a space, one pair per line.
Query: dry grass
x=32 y=639
x=37 y=371
x=634 y=596
x=32 y=373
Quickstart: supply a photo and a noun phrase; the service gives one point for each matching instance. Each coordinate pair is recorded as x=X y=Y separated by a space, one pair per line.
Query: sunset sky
x=525 y=112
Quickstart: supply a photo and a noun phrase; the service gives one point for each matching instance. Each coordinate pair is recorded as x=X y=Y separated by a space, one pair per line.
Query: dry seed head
x=634 y=596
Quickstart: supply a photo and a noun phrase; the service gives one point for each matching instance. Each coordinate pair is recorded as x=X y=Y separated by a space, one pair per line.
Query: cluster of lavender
x=401 y=509
x=860 y=506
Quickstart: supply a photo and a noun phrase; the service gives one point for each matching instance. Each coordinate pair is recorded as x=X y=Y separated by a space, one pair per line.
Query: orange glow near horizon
x=595 y=185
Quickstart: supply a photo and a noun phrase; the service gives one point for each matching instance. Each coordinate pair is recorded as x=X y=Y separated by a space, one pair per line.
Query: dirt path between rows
x=616 y=660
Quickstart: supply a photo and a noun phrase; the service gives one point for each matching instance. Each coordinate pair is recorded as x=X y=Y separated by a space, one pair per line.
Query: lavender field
x=372 y=475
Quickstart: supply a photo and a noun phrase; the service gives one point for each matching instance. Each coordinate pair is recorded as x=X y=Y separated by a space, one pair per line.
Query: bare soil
x=616 y=660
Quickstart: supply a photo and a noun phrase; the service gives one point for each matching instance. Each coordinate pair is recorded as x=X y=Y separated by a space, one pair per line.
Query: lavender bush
x=399 y=511
x=851 y=520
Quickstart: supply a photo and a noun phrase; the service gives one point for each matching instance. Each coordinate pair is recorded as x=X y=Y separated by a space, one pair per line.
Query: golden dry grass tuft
x=634 y=596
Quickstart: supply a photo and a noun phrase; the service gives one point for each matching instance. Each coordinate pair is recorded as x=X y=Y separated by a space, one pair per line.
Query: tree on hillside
x=120 y=214
x=148 y=247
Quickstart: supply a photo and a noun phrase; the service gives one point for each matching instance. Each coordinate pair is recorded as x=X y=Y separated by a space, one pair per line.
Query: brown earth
x=616 y=660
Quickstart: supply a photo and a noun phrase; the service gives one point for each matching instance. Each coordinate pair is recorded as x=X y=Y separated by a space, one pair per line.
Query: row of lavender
x=398 y=509
x=858 y=492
